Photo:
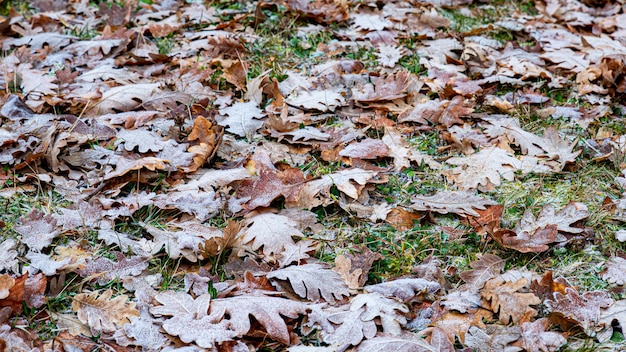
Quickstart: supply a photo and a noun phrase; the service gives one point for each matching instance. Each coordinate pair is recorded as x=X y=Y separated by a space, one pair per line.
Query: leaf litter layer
x=312 y=175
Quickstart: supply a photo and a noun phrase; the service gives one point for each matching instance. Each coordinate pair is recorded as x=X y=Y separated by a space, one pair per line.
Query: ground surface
x=312 y=175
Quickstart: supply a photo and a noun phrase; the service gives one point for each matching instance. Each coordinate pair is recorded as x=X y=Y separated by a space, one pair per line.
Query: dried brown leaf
x=268 y=311
x=103 y=313
x=311 y=281
x=483 y=270
x=510 y=301
x=457 y=202
x=104 y=270
x=584 y=310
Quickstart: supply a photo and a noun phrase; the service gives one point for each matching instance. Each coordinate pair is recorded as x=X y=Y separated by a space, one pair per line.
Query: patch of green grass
x=535 y=191
x=365 y=54
x=279 y=47
x=165 y=44
x=412 y=64
x=83 y=33
x=19 y=6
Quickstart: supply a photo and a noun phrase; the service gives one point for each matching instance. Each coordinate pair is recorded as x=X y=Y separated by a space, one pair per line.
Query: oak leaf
x=535 y=337
x=191 y=321
x=483 y=270
x=457 y=324
x=369 y=148
x=311 y=281
x=269 y=183
x=270 y=231
x=457 y=202
x=483 y=170
x=184 y=242
x=181 y=304
x=347 y=327
x=615 y=271
x=405 y=290
x=404 y=343
x=377 y=306
x=507 y=300
x=322 y=100
x=104 y=270
x=103 y=313
x=205 y=138
x=324 y=11
x=205 y=332
x=296 y=252
x=402 y=154
x=8 y=258
x=528 y=242
x=241 y=118
x=461 y=301
x=390 y=88
x=584 y=310
x=494 y=338
x=268 y=311
x=37 y=230
x=6 y=283
x=145 y=332
x=123 y=98
x=142 y=139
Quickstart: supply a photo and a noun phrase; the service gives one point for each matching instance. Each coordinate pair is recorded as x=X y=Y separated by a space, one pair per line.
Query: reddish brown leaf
x=325 y=11
x=403 y=220
x=269 y=183
x=584 y=310
x=205 y=136
x=483 y=269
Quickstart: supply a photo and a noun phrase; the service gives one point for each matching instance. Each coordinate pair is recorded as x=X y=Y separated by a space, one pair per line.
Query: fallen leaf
x=37 y=230
x=483 y=170
x=584 y=310
x=103 y=313
x=483 y=270
x=535 y=337
x=268 y=311
x=311 y=281
x=510 y=301
x=457 y=202
x=104 y=270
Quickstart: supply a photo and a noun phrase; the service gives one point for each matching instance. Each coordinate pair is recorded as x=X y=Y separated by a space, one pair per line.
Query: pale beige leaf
x=402 y=154
x=6 y=283
x=311 y=281
x=483 y=170
x=457 y=202
x=615 y=271
x=405 y=289
x=8 y=255
x=404 y=343
x=268 y=311
x=509 y=300
x=242 y=118
x=181 y=304
x=103 y=270
x=206 y=332
x=483 y=269
x=322 y=100
x=37 y=230
x=145 y=332
x=123 y=98
x=103 y=313
x=351 y=328
x=495 y=338
x=389 y=311
x=270 y=231
x=535 y=336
